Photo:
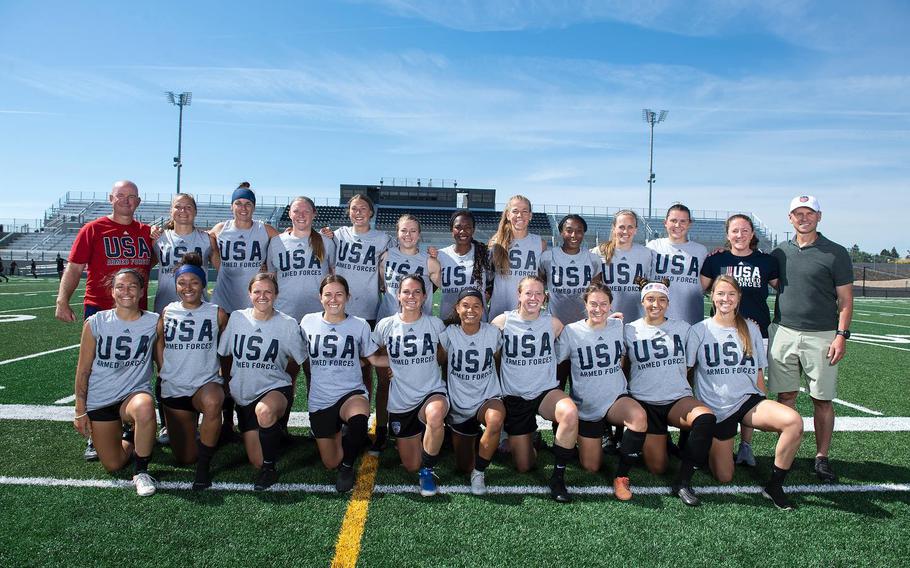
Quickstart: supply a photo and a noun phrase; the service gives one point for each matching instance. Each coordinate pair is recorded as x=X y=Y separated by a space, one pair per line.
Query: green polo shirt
x=807 y=299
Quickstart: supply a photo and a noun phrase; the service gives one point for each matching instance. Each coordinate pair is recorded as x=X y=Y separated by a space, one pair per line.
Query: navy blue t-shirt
x=753 y=273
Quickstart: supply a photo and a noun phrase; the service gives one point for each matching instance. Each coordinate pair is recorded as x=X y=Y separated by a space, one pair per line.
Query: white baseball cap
x=809 y=201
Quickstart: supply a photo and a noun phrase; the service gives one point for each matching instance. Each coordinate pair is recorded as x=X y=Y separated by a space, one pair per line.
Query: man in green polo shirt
x=811 y=321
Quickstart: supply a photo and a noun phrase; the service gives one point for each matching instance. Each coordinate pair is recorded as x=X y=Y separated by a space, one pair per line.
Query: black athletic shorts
x=727 y=429
x=327 y=422
x=179 y=403
x=246 y=415
x=107 y=413
x=596 y=428
x=521 y=413
x=657 y=416
x=408 y=424
x=471 y=426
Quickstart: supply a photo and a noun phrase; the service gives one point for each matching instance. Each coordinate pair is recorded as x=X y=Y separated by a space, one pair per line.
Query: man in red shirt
x=103 y=247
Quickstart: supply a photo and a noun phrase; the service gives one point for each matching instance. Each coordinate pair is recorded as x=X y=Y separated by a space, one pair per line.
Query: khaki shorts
x=793 y=352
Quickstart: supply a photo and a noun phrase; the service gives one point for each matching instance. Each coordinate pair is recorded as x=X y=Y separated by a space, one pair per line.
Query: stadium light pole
x=180 y=100
x=652 y=118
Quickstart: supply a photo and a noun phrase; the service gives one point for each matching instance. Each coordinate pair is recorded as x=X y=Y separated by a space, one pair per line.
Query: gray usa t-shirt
x=658 y=358
x=357 y=259
x=724 y=376
x=471 y=366
x=596 y=356
x=528 y=363
x=682 y=265
x=260 y=351
x=190 y=349
x=412 y=357
x=335 y=350
x=619 y=275
x=299 y=272
x=123 y=357
x=567 y=277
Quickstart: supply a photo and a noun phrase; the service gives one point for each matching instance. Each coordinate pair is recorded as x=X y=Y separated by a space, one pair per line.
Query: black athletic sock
x=562 y=456
x=481 y=463
x=777 y=476
x=270 y=439
x=427 y=460
x=382 y=434
x=355 y=438
x=227 y=413
x=142 y=463
x=683 y=439
x=684 y=475
x=699 y=440
x=630 y=448
x=205 y=453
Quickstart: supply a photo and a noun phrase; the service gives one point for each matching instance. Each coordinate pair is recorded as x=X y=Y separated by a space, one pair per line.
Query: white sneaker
x=478 y=482
x=145 y=484
x=744 y=455
x=163 y=438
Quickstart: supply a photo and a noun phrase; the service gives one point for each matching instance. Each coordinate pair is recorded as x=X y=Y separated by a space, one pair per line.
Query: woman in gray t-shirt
x=471 y=346
x=594 y=347
x=528 y=373
x=336 y=342
x=187 y=355
x=728 y=356
x=261 y=352
x=417 y=397
x=656 y=353
x=113 y=380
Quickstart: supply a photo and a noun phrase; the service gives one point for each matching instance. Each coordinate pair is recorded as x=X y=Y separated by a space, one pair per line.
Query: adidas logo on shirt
x=623 y=258
x=332 y=330
x=729 y=336
x=473 y=344
x=258 y=330
x=189 y=314
x=127 y=330
x=410 y=329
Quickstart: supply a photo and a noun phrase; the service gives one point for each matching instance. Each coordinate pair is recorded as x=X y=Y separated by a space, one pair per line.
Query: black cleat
x=345 y=480
x=558 y=491
x=610 y=447
x=686 y=495
x=267 y=477
x=777 y=496
x=823 y=470
x=203 y=479
x=228 y=436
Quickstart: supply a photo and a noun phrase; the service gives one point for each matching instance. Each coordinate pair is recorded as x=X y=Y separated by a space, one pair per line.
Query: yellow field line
x=347 y=547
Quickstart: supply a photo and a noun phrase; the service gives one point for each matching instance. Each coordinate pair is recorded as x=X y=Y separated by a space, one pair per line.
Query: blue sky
x=768 y=99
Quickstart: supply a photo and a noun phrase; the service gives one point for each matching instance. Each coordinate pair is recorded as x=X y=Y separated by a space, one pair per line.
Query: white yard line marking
x=17 y=310
x=595 y=490
x=33 y=355
x=879 y=344
x=851 y=405
x=66 y=399
x=881 y=323
x=302 y=419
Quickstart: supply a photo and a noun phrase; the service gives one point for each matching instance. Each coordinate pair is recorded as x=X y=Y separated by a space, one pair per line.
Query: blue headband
x=190 y=269
x=470 y=291
x=243 y=193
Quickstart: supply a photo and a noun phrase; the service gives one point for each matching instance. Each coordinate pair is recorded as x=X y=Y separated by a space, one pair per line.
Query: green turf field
x=58 y=509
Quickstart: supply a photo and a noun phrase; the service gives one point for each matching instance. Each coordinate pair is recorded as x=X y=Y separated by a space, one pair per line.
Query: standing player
x=679 y=260
x=623 y=262
x=656 y=351
x=187 y=356
x=514 y=254
x=2 y=275
x=567 y=271
x=728 y=355
x=462 y=264
x=60 y=266
x=181 y=237
x=406 y=258
x=113 y=379
x=811 y=325
x=595 y=349
x=301 y=259
x=102 y=247
x=261 y=352
x=417 y=397
x=243 y=243
x=358 y=249
x=336 y=342
x=754 y=271
x=34 y=269
x=243 y=246
x=528 y=375
x=473 y=385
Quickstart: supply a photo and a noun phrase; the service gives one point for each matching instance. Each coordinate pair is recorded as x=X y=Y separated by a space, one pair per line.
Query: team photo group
x=610 y=344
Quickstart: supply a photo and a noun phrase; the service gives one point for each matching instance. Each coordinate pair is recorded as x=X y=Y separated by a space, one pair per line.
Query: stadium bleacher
x=64 y=218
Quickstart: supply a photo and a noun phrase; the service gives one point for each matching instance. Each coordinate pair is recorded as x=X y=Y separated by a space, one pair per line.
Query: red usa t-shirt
x=105 y=247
